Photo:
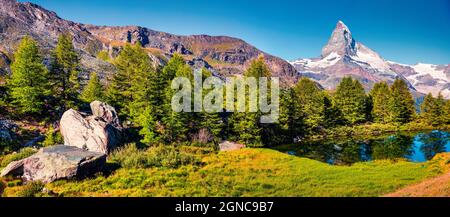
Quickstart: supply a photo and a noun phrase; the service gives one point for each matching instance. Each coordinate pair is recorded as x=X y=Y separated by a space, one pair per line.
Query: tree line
x=142 y=95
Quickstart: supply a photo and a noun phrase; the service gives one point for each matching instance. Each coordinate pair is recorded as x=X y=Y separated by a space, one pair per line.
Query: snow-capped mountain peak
x=343 y=56
x=341 y=41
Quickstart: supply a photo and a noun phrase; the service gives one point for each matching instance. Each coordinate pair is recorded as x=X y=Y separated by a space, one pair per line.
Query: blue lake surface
x=417 y=147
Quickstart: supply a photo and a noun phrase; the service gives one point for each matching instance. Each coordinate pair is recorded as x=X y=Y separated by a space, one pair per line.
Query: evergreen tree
x=292 y=118
x=258 y=68
x=163 y=82
x=447 y=112
x=246 y=125
x=332 y=115
x=426 y=107
x=351 y=99
x=439 y=114
x=64 y=71
x=380 y=96
x=210 y=121
x=149 y=127
x=177 y=124
x=28 y=83
x=433 y=110
x=168 y=121
x=93 y=90
x=129 y=88
x=52 y=137
x=310 y=97
x=401 y=103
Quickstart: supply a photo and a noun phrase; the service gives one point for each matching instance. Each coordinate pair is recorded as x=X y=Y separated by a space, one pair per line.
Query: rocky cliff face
x=223 y=55
x=20 y=19
x=344 y=56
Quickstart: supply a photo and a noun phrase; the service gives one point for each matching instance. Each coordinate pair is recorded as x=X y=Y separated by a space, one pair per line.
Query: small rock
x=7 y=128
x=230 y=146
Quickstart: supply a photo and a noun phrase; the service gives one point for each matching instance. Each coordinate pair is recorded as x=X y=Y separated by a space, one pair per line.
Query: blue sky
x=405 y=31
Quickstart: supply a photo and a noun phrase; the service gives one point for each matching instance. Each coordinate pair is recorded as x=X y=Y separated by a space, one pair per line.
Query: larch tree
x=246 y=125
x=380 y=94
x=93 y=90
x=28 y=84
x=64 y=73
x=310 y=97
x=401 y=103
x=351 y=99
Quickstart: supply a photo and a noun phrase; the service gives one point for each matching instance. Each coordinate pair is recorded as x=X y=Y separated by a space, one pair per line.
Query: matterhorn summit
x=343 y=56
x=341 y=42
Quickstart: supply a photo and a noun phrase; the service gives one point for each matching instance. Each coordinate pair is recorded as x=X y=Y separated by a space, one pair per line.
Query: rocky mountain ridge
x=223 y=55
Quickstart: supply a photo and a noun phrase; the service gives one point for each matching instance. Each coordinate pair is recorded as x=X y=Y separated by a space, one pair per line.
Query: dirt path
x=435 y=187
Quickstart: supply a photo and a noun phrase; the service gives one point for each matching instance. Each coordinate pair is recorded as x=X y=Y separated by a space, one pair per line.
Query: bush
x=129 y=156
x=160 y=156
x=23 y=153
x=32 y=189
x=52 y=137
x=2 y=186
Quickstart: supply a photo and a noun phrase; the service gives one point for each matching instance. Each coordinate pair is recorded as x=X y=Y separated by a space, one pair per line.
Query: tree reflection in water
x=397 y=146
x=433 y=143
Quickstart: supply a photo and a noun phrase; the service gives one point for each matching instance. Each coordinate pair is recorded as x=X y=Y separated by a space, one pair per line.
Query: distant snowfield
x=366 y=55
x=431 y=70
x=328 y=61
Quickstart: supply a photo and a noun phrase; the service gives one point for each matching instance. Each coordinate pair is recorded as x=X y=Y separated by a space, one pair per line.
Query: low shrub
x=2 y=186
x=32 y=189
x=129 y=156
x=52 y=137
x=23 y=153
x=169 y=156
x=160 y=156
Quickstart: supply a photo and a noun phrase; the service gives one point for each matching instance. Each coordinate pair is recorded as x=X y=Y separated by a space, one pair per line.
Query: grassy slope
x=255 y=172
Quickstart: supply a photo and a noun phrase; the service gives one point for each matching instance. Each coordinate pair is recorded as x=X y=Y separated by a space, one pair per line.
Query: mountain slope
x=223 y=55
x=226 y=55
x=343 y=56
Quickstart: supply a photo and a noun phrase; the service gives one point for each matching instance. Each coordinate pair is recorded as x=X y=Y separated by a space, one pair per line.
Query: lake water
x=418 y=147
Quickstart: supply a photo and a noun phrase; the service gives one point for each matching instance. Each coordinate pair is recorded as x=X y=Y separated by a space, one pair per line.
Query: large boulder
x=57 y=162
x=107 y=112
x=100 y=132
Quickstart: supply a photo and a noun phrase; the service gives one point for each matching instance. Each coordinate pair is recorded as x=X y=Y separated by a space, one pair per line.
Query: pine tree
x=351 y=99
x=28 y=83
x=64 y=71
x=93 y=90
x=401 y=103
x=380 y=96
